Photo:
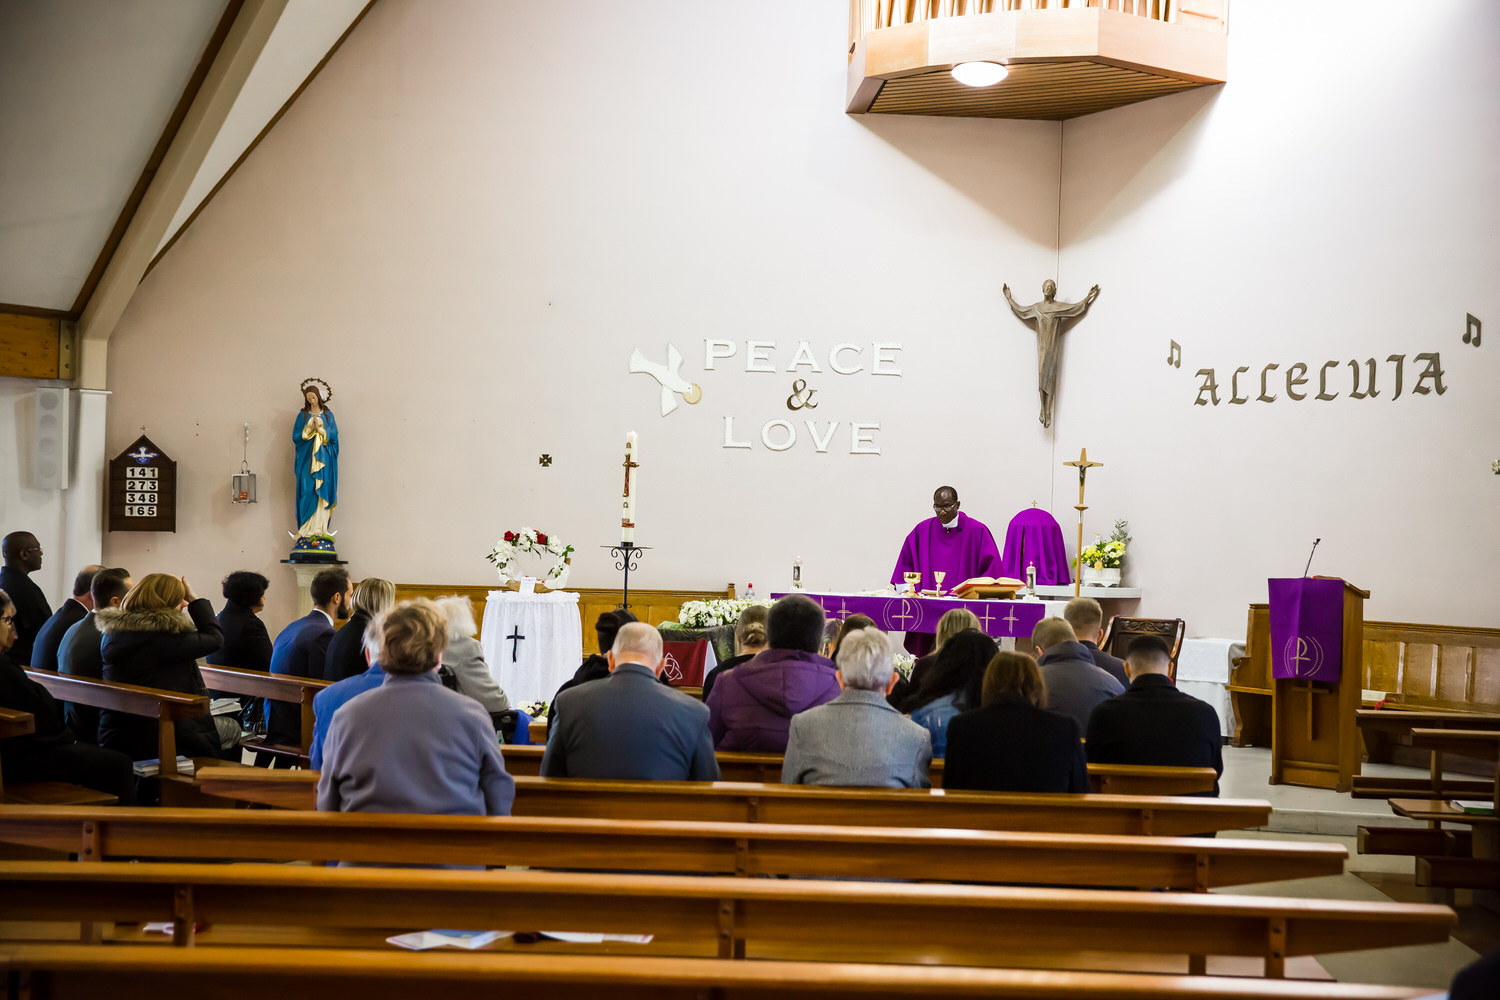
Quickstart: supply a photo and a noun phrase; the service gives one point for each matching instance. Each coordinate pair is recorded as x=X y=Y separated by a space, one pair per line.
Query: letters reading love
x=1296 y=376
x=844 y=359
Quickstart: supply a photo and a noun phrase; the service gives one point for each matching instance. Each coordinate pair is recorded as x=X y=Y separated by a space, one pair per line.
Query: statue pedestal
x=305 y=573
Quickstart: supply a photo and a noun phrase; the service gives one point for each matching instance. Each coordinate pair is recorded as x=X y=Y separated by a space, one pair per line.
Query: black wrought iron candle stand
x=626 y=555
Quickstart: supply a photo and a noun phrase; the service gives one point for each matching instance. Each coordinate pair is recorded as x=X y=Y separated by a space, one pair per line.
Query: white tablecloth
x=1203 y=672
x=532 y=642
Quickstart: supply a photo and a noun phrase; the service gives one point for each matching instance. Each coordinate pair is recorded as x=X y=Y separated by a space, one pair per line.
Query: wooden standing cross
x=1083 y=465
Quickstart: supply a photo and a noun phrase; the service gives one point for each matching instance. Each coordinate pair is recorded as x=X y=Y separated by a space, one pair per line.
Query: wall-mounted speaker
x=50 y=456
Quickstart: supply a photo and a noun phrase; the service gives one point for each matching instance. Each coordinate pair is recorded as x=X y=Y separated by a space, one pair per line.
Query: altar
x=909 y=613
x=531 y=642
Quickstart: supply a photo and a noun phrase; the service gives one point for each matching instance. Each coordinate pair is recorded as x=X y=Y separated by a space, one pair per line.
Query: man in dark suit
x=301 y=649
x=1087 y=619
x=23 y=557
x=79 y=653
x=74 y=610
x=629 y=726
x=1153 y=722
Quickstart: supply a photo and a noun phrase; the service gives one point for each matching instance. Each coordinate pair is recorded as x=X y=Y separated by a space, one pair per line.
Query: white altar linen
x=1203 y=672
x=533 y=643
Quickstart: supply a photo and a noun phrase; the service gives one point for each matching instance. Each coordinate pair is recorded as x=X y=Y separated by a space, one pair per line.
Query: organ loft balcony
x=1061 y=58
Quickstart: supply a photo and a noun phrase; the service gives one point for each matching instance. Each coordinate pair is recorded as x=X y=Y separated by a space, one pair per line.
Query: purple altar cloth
x=1034 y=537
x=1307 y=629
x=920 y=614
x=963 y=551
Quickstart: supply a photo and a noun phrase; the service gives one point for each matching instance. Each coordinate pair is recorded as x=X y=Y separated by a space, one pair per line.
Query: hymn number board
x=142 y=489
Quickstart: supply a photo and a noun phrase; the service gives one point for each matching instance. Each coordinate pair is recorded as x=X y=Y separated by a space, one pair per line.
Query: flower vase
x=1101 y=577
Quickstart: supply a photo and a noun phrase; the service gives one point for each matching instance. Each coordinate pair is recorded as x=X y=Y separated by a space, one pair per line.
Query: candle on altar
x=627 y=518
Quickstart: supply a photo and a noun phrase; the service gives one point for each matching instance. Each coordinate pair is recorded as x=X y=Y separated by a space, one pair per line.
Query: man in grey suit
x=629 y=726
x=858 y=738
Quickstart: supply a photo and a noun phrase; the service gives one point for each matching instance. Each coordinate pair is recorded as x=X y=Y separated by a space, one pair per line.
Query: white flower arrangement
x=904 y=662
x=1108 y=554
x=707 y=614
x=529 y=540
x=536 y=709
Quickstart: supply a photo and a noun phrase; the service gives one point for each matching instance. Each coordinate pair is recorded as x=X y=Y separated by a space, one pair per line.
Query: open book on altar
x=983 y=587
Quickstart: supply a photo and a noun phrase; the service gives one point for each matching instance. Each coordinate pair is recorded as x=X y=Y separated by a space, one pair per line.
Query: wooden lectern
x=1314 y=736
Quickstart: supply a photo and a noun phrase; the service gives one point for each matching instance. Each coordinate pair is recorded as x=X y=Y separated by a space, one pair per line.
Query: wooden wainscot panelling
x=654 y=606
x=29 y=346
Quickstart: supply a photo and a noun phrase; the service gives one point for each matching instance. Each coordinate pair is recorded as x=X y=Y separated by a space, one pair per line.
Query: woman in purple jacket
x=750 y=708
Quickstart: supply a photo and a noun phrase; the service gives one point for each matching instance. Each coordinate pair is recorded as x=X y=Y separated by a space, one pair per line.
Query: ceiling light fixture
x=979 y=74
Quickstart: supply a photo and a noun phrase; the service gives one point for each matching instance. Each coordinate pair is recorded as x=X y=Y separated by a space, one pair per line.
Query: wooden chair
x=733 y=918
x=701 y=801
x=743 y=849
x=1122 y=631
x=74 y=972
x=42 y=793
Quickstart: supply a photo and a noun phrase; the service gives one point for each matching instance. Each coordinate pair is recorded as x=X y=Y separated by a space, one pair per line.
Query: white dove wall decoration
x=669 y=376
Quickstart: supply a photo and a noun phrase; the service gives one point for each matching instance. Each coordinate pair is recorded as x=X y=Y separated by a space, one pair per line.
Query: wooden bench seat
x=733 y=802
x=43 y=793
x=1184 y=863
x=273 y=687
x=74 y=972
x=166 y=707
x=710 y=915
x=765 y=768
x=1384 y=730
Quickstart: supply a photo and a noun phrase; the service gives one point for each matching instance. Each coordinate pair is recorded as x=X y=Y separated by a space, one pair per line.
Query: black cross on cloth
x=515 y=638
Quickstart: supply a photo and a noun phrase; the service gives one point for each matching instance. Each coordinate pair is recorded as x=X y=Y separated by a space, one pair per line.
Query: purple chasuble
x=1034 y=537
x=964 y=549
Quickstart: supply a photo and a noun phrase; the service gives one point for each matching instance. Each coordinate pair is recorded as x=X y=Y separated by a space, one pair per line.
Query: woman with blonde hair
x=949 y=625
x=466 y=659
x=150 y=641
x=346 y=653
x=1013 y=744
x=411 y=745
x=749 y=639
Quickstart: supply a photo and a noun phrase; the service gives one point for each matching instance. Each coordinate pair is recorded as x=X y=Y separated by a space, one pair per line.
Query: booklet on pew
x=224 y=706
x=1475 y=807
x=423 y=940
x=150 y=768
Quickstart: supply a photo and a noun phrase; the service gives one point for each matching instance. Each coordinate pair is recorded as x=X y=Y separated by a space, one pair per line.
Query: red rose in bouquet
x=541 y=539
x=510 y=536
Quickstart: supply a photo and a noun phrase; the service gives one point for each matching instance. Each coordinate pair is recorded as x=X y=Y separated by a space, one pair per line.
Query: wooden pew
x=1385 y=730
x=711 y=915
x=166 y=707
x=1182 y=863
x=275 y=687
x=1131 y=815
x=17 y=723
x=1461 y=858
x=77 y=972
x=765 y=768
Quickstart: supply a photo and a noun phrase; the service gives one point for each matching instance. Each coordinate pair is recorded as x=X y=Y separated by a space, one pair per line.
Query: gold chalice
x=937 y=575
x=912 y=579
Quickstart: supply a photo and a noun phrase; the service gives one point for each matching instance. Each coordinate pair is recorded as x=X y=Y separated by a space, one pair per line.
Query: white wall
x=478 y=210
x=1335 y=200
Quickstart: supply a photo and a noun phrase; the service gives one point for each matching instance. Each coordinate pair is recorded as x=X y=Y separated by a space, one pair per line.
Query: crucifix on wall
x=1046 y=318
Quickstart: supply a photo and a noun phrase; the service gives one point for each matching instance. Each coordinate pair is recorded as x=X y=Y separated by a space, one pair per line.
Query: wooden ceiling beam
x=170 y=181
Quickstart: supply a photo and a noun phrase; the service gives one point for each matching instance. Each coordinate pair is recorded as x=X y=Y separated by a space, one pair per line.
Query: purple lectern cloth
x=1034 y=537
x=998 y=619
x=967 y=550
x=1307 y=629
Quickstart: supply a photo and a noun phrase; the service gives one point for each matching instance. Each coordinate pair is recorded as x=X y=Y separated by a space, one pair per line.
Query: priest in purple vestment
x=951 y=542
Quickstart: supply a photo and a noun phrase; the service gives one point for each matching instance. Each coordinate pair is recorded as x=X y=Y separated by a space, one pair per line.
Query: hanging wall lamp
x=242 y=484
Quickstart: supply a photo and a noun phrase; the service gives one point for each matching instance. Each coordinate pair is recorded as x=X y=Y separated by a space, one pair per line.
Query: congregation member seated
x=952 y=623
x=23 y=557
x=49 y=752
x=411 y=745
x=752 y=705
x=630 y=726
x=301 y=650
x=79 y=653
x=858 y=738
x=73 y=611
x=1074 y=684
x=247 y=644
x=149 y=641
x=749 y=639
x=1013 y=744
x=346 y=653
x=595 y=666
x=1087 y=619
x=952 y=685
x=853 y=623
x=332 y=698
x=1479 y=980
x=1153 y=722
x=466 y=659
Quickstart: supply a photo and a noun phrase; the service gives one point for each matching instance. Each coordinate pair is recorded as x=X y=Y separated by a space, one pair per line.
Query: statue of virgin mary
x=316 y=437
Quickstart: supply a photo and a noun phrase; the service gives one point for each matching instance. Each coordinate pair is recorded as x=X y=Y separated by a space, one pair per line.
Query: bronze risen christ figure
x=1046 y=318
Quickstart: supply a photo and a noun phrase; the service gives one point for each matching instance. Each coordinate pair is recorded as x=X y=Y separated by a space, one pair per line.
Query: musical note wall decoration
x=1174 y=354
x=1471 y=330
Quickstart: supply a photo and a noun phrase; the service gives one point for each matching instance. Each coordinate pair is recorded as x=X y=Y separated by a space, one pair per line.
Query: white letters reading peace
x=844 y=359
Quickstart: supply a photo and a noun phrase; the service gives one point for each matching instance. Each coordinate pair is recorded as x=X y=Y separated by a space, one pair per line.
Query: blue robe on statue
x=318 y=452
